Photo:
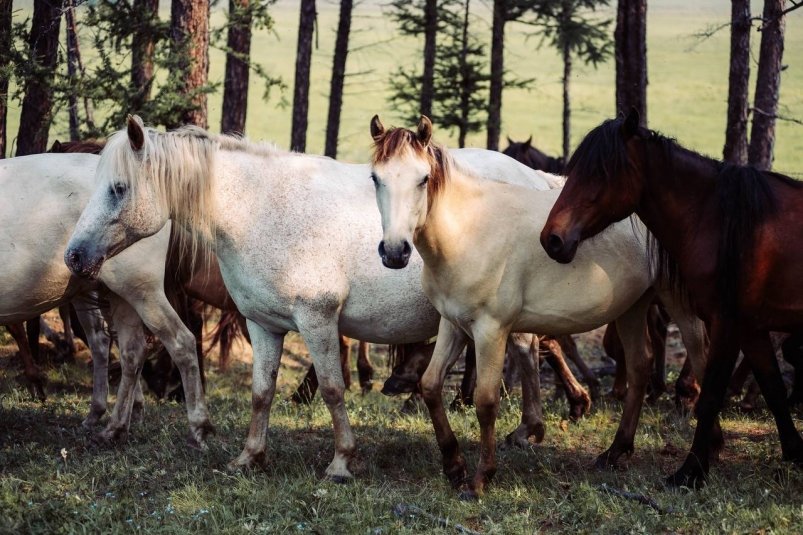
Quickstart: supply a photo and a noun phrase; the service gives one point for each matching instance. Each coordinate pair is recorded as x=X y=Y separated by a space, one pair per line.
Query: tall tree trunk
x=768 y=85
x=465 y=95
x=631 y=57
x=190 y=31
x=567 y=109
x=73 y=68
x=338 y=78
x=735 y=150
x=430 y=35
x=306 y=25
x=37 y=105
x=235 y=87
x=497 y=74
x=143 y=44
x=5 y=61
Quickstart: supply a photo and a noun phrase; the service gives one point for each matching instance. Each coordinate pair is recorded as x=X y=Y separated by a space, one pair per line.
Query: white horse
x=295 y=238
x=43 y=196
x=487 y=275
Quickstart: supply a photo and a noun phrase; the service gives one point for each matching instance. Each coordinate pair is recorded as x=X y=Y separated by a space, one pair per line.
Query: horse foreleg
x=569 y=347
x=33 y=377
x=490 y=340
x=344 y=346
x=721 y=360
x=267 y=355
x=657 y=324
x=632 y=329
x=579 y=400
x=33 y=329
x=69 y=339
x=162 y=320
x=321 y=335
x=365 y=371
x=614 y=349
x=792 y=349
x=524 y=348
x=448 y=346
x=99 y=342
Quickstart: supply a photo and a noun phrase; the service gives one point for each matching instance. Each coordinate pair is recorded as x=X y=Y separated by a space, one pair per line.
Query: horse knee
x=487 y=406
x=331 y=392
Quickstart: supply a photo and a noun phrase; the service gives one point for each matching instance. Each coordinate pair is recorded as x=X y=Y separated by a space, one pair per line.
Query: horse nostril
x=554 y=242
x=74 y=257
x=406 y=249
x=382 y=248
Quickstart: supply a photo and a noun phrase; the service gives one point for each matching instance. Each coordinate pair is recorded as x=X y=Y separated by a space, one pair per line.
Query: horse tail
x=228 y=327
x=745 y=199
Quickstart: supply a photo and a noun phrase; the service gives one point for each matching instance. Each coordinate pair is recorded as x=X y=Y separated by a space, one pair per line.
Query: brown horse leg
x=569 y=347
x=305 y=392
x=465 y=395
x=524 y=348
x=613 y=347
x=721 y=360
x=449 y=345
x=345 y=353
x=33 y=377
x=632 y=329
x=739 y=378
x=69 y=339
x=577 y=396
x=793 y=354
x=365 y=371
x=33 y=329
x=657 y=323
x=686 y=388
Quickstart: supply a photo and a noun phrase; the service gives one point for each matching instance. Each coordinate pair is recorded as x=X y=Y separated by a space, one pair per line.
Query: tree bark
x=465 y=96
x=768 y=85
x=631 y=57
x=430 y=35
x=567 y=110
x=235 y=87
x=497 y=74
x=143 y=44
x=338 y=78
x=73 y=68
x=306 y=25
x=190 y=31
x=5 y=60
x=735 y=150
x=37 y=105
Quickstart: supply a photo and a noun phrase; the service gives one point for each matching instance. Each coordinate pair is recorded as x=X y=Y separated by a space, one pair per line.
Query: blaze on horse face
x=122 y=210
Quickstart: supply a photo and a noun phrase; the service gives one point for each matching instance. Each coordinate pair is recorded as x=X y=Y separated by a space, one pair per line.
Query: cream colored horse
x=295 y=238
x=487 y=275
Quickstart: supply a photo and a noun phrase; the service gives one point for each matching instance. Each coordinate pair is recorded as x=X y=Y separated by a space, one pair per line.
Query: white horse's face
x=401 y=193
x=118 y=214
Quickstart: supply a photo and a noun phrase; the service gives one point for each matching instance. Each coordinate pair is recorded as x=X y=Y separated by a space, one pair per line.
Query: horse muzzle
x=395 y=256
x=561 y=249
x=396 y=385
x=82 y=264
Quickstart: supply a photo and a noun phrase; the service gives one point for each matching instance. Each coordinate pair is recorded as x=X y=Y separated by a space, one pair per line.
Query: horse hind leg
x=792 y=349
x=465 y=392
x=657 y=324
x=267 y=355
x=524 y=348
x=612 y=344
x=569 y=348
x=32 y=376
x=632 y=329
x=579 y=400
x=365 y=370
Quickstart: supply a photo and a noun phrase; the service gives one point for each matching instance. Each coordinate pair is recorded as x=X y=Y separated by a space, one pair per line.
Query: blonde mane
x=397 y=141
x=179 y=166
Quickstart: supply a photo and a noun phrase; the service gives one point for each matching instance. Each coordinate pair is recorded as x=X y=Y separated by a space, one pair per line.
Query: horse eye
x=375 y=180
x=118 y=189
x=424 y=181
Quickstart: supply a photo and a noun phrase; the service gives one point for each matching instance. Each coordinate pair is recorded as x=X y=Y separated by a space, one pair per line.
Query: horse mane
x=397 y=141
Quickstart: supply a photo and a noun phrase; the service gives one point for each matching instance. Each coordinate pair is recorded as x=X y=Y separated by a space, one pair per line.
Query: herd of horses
x=160 y=222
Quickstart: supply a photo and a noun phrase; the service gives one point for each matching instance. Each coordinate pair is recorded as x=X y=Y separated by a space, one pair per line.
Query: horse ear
x=424 y=133
x=529 y=141
x=136 y=133
x=56 y=146
x=509 y=141
x=377 y=129
x=631 y=123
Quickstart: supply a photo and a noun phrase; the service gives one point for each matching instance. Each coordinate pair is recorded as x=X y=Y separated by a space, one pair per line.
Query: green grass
x=686 y=96
x=154 y=482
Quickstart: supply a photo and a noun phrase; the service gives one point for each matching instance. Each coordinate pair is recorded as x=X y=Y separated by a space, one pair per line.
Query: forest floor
x=53 y=480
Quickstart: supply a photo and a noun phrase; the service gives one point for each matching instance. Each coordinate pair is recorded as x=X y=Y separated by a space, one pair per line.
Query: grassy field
x=53 y=481
x=687 y=90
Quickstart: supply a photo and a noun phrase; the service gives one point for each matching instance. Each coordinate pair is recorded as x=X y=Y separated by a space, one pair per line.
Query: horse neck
x=679 y=193
x=447 y=217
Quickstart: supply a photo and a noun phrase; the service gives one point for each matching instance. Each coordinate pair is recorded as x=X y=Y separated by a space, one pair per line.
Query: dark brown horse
x=533 y=158
x=728 y=237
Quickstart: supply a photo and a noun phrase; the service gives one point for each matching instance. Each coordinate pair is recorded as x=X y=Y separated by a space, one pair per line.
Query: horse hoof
x=195 y=444
x=108 y=439
x=340 y=479
x=686 y=478
x=247 y=462
x=468 y=495
x=607 y=462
